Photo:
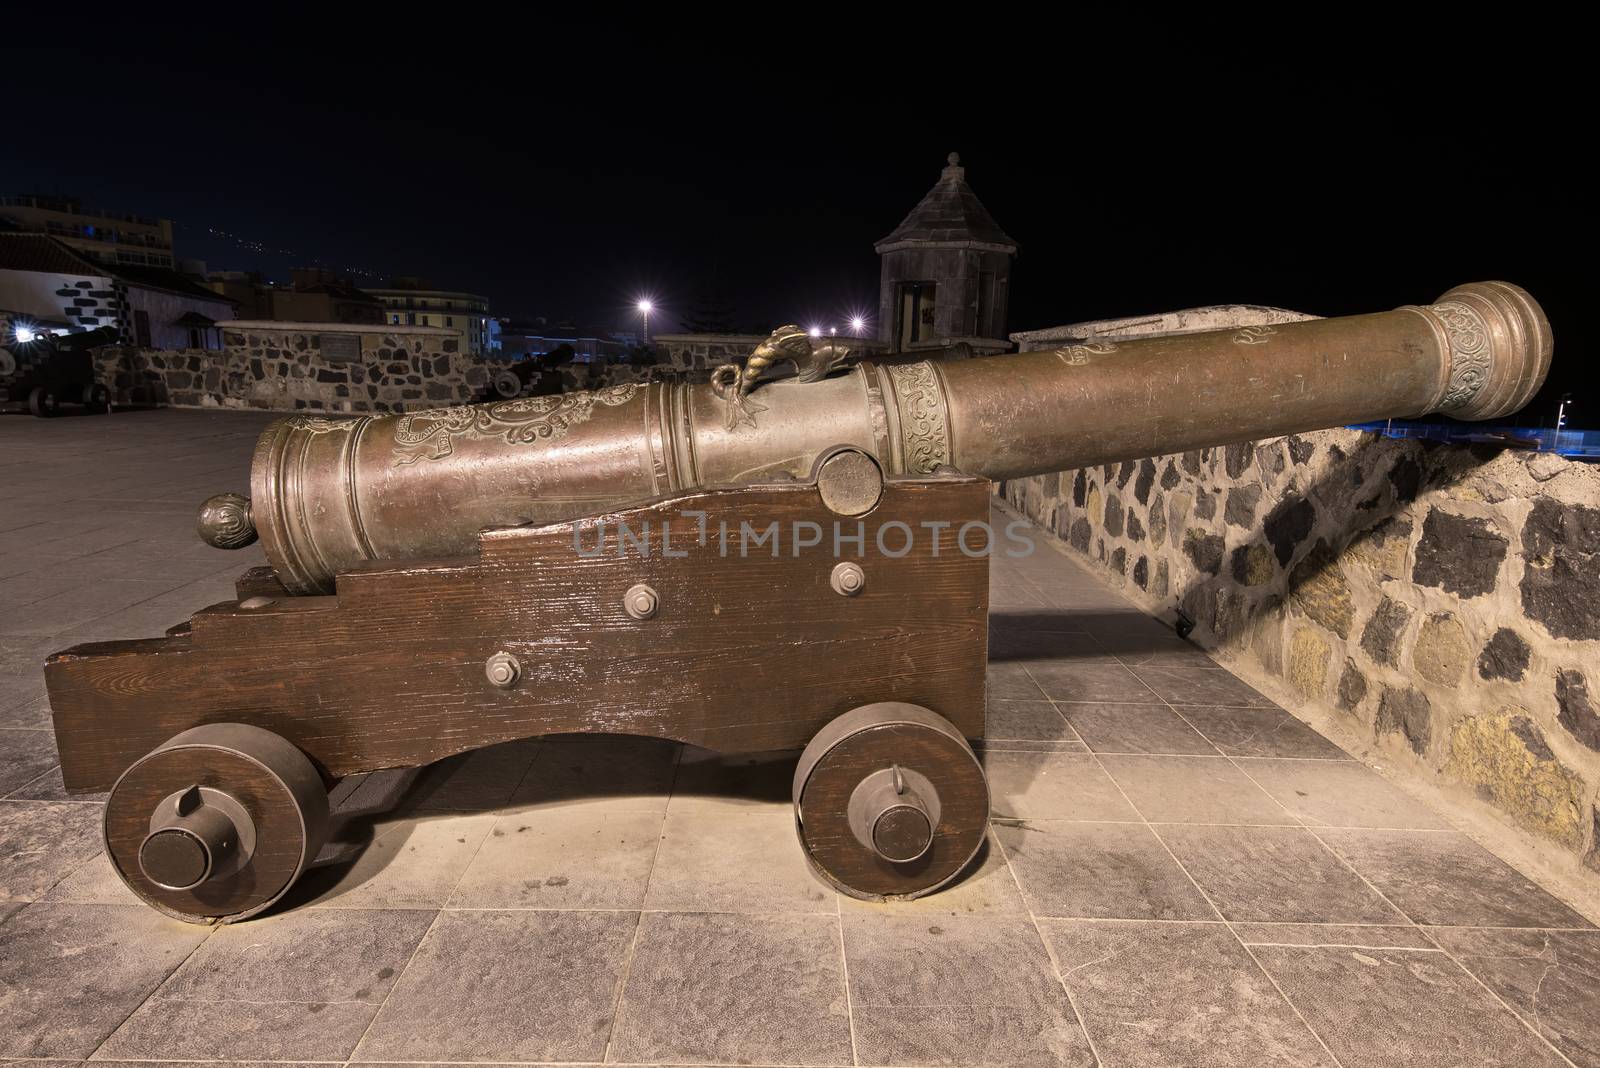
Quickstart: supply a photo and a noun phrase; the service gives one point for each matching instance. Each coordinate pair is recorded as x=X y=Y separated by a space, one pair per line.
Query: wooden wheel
x=890 y=801
x=43 y=403
x=507 y=384
x=97 y=398
x=217 y=823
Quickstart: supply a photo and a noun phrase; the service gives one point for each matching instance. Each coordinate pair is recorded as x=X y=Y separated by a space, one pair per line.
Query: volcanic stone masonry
x=1445 y=599
x=341 y=367
x=291 y=367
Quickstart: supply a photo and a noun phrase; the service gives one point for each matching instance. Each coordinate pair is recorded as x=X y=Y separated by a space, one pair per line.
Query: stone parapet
x=1444 y=600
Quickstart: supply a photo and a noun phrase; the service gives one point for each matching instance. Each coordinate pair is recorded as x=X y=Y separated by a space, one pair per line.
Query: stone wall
x=375 y=368
x=1444 y=601
x=298 y=366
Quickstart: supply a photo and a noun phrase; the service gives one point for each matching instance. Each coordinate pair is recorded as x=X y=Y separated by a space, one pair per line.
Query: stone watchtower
x=946 y=272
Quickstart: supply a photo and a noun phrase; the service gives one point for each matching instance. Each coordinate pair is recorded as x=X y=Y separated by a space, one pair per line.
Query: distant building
x=946 y=272
x=315 y=295
x=104 y=236
x=413 y=302
x=45 y=281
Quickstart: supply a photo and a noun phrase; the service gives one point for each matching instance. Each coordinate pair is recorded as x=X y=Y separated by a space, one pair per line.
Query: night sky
x=564 y=171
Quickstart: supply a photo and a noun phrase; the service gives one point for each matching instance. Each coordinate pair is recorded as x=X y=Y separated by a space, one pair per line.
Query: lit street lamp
x=857 y=324
x=645 y=307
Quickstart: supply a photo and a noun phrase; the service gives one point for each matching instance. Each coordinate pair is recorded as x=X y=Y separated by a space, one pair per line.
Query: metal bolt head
x=502 y=670
x=641 y=602
x=848 y=579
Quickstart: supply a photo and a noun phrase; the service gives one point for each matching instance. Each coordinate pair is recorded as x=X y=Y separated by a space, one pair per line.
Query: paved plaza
x=1179 y=871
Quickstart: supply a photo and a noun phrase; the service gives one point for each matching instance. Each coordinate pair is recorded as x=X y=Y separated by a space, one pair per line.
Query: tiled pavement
x=1180 y=873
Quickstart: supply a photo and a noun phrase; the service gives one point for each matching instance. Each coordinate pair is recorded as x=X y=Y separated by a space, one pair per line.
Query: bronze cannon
x=667 y=559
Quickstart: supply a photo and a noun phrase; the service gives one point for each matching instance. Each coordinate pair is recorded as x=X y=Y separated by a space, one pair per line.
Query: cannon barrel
x=332 y=494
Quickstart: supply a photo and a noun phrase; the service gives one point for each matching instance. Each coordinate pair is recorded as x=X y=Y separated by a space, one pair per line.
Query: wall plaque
x=341 y=348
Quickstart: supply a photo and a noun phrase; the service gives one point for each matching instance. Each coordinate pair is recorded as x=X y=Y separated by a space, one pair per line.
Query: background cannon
x=450 y=579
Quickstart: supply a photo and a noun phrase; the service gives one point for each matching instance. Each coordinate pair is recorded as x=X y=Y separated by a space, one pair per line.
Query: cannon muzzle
x=332 y=494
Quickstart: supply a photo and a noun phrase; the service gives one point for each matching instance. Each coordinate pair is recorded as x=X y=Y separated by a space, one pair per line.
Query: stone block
x=1406 y=478
x=1078 y=536
x=1383 y=548
x=1080 y=489
x=1441 y=652
x=1236 y=459
x=1287 y=525
x=1205 y=505
x=1381 y=636
x=1577 y=709
x=1094 y=504
x=1561 y=583
x=1307 y=668
x=1319 y=589
x=1408 y=712
x=1459 y=554
x=1204 y=549
x=1252 y=565
x=1141 y=572
x=1146 y=480
x=1113 y=515
x=1504 y=656
x=1505 y=756
x=1158 y=521
x=1544 y=466
x=1170 y=476
x=1135 y=528
x=1240 y=509
x=1352 y=686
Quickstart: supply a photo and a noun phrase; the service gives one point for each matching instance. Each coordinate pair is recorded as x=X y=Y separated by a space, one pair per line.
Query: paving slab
x=958 y=991
x=1177 y=993
x=1412 y=1007
x=735 y=989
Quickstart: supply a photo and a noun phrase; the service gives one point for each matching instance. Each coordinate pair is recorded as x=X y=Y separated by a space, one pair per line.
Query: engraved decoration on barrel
x=431 y=435
x=924 y=421
x=1469 y=352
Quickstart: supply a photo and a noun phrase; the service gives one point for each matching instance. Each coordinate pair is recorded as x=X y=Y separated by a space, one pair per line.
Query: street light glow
x=646 y=306
x=857 y=323
x=26 y=335
x=815 y=331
